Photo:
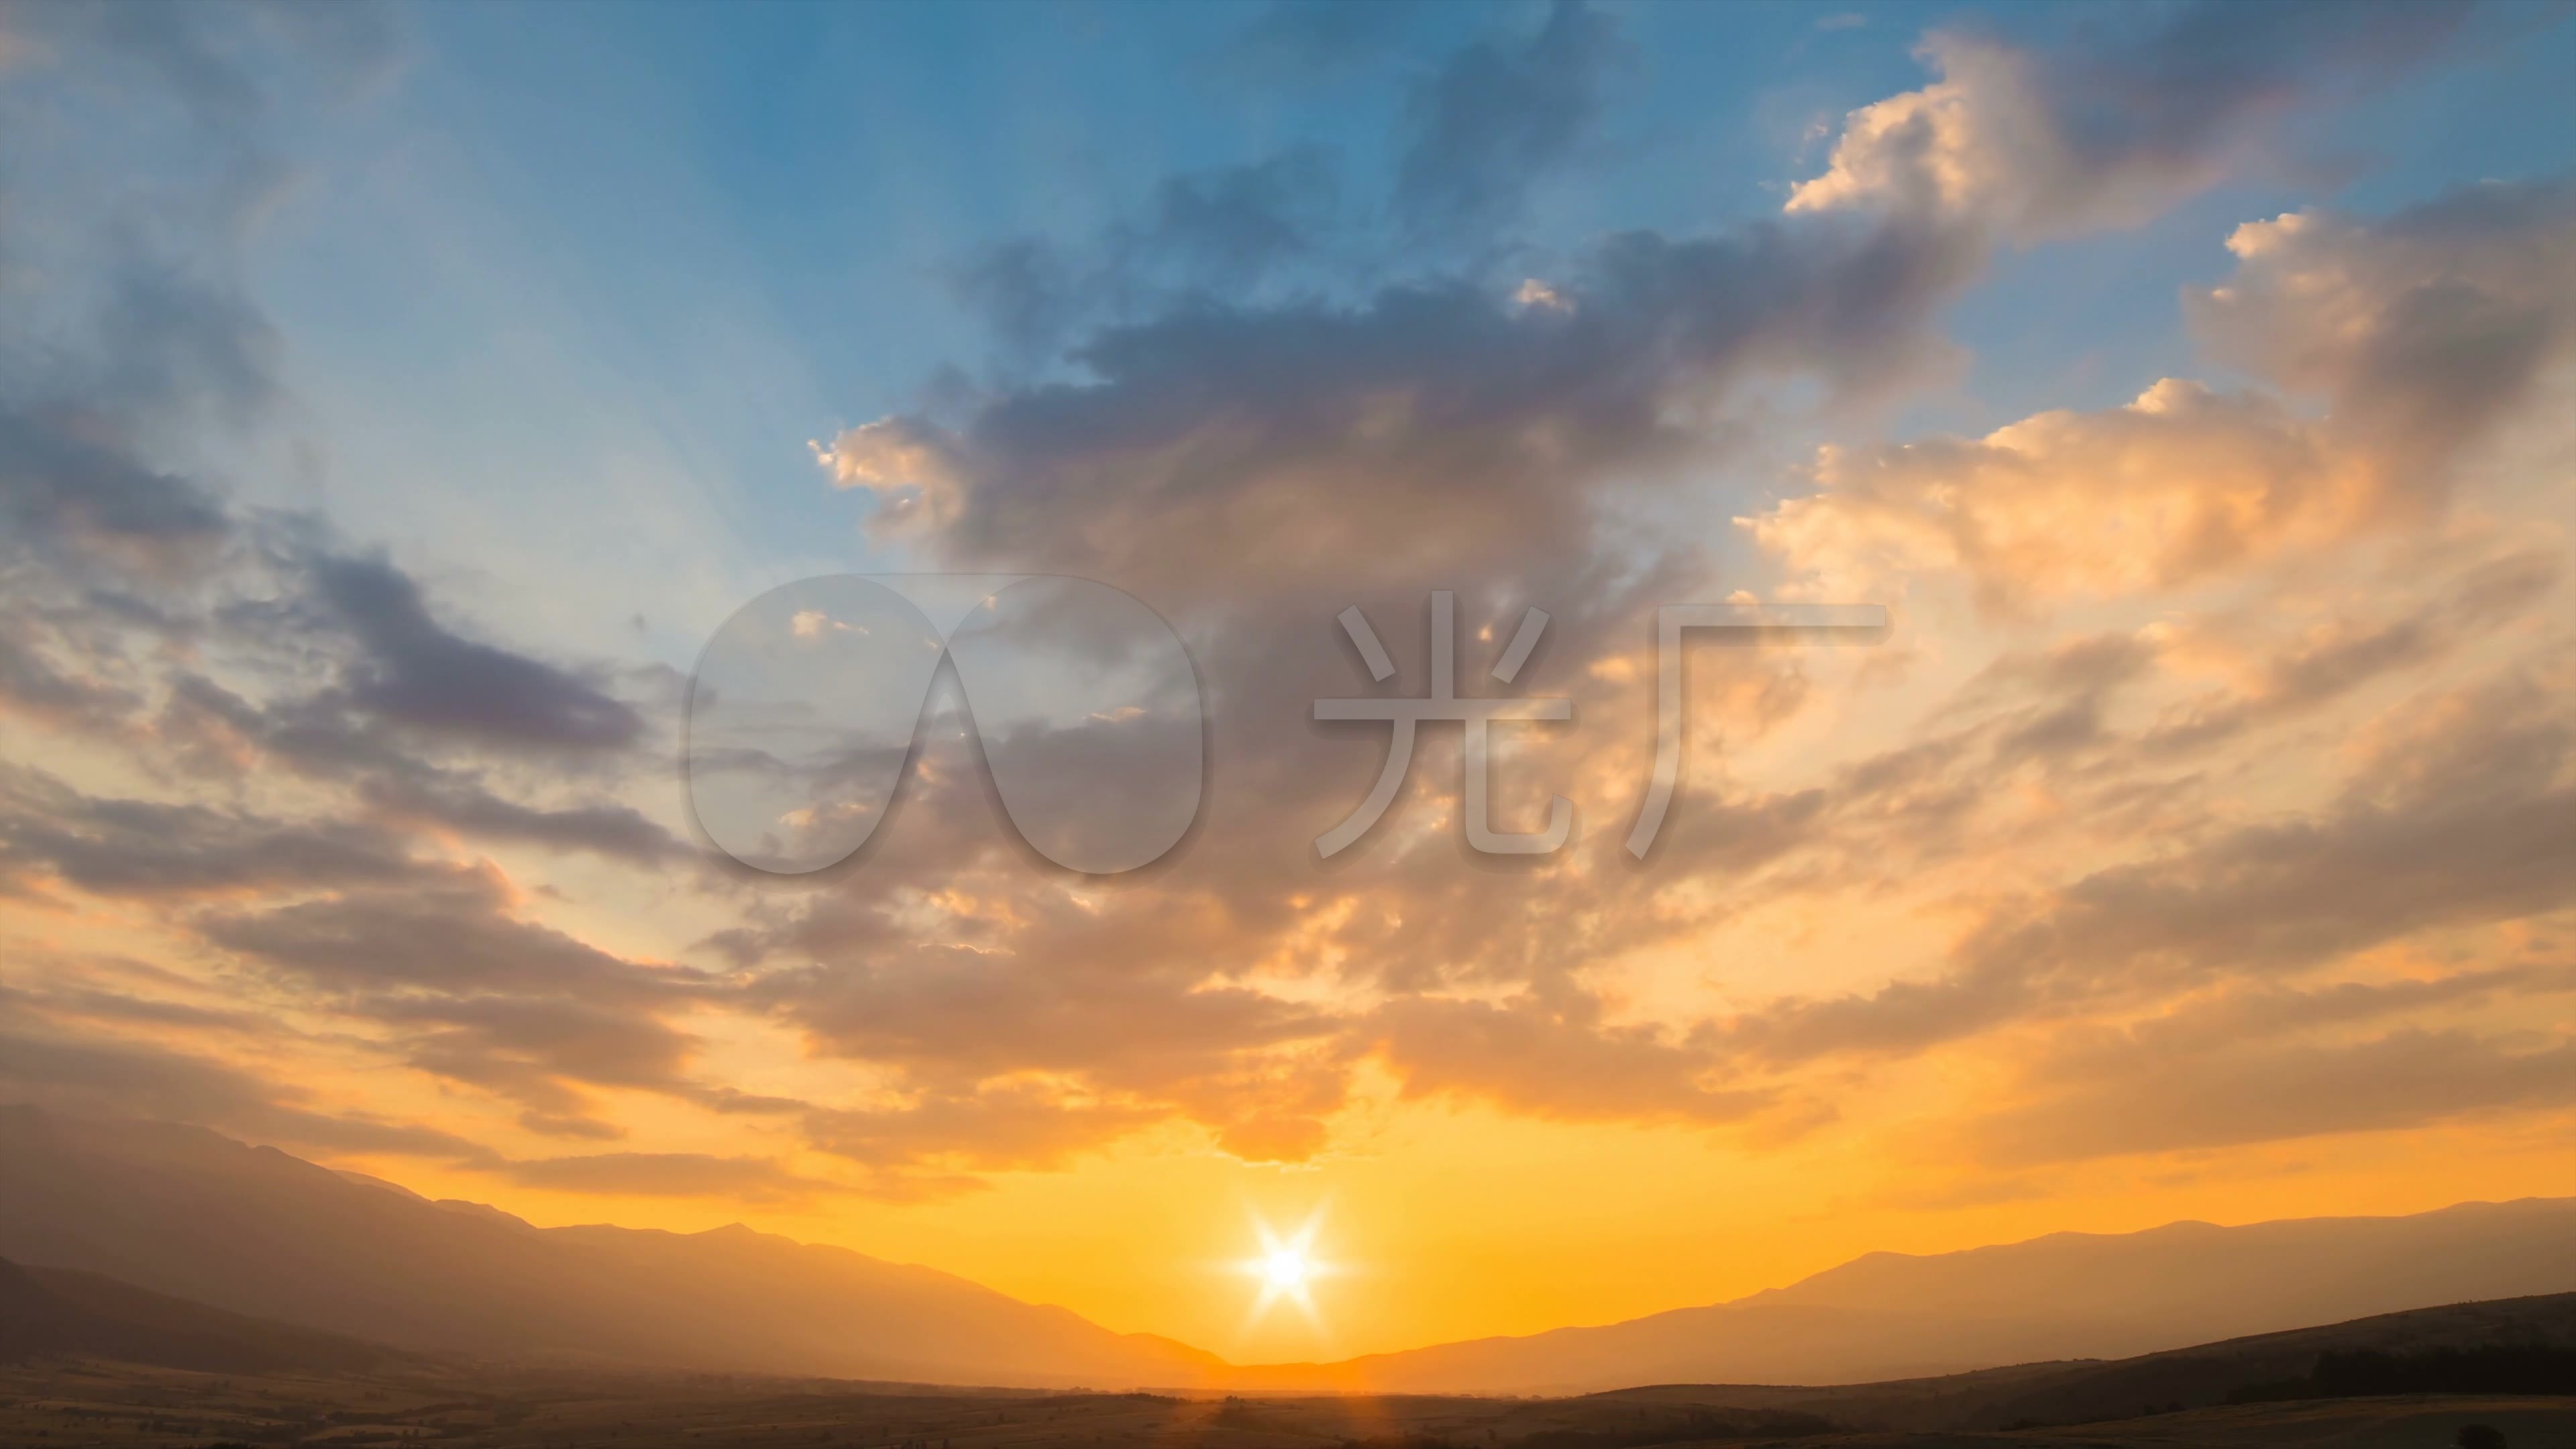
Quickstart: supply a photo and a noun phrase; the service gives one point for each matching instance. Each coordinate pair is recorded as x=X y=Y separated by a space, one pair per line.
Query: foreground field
x=60 y=1404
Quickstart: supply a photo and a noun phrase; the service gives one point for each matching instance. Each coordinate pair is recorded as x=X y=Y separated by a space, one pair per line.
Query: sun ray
x=1286 y=1267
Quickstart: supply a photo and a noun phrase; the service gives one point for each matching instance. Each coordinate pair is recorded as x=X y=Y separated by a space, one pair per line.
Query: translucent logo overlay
x=802 y=713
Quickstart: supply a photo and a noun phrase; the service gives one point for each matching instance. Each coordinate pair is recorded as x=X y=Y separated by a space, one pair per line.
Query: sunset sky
x=394 y=403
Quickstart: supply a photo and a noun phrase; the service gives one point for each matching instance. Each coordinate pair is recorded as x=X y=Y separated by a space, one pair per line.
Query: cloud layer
x=2212 y=794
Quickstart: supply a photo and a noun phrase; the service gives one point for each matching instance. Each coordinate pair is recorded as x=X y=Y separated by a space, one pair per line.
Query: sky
x=396 y=404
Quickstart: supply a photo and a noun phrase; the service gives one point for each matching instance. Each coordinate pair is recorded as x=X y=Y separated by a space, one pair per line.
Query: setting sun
x=1287 y=1270
x=1285 y=1267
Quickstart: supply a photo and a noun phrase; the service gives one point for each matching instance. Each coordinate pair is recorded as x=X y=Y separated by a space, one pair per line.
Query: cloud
x=83 y=1073
x=959 y=1017
x=1555 y=1064
x=1229 y=226
x=415 y=672
x=1433 y=427
x=1218 y=409
x=468 y=992
x=1497 y=117
x=2178 y=485
x=2424 y=333
x=2133 y=1097
x=2466 y=831
x=1451 y=433
x=62 y=488
x=666 y=1174
x=902 y=462
x=617 y=831
x=2423 y=330
x=2111 y=126
x=1007 y=1126
x=141 y=848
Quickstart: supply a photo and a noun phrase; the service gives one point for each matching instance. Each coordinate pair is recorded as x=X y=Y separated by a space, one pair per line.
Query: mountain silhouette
x=2068 y=1295
x=2199 y=1376
x=184 y=1211
x=250 y=1230
x=58 y=1311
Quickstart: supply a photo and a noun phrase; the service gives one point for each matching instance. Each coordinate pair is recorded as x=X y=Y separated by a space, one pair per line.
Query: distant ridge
x=2200 y=1376
x=184 y=1211
x=58 y=1311
x=2067 y=1295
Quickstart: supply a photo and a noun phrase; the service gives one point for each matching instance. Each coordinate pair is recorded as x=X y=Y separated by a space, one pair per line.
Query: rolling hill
x=251 y=1230
x=2067 y=1295
x=184 y=1211
x=2200 y=1376
x=58 y=1311
x=271 y=1384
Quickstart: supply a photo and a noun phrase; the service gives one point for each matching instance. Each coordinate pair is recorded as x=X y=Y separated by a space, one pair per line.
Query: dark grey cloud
x=617 y=831
x=442 y=928
x=1434 y=426
x=417 y=672
x=1498 y=117
x=467 y=991
x=141 y=848
x=1231 y=232
x=1227 y=227
x=64 y=489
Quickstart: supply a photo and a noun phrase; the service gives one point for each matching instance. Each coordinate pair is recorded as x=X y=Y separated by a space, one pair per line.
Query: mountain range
x=2063 y=1296
x=61 y=1311
x=183 y=1211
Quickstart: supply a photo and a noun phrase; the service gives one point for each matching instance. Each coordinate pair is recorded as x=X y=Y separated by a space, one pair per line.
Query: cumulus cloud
x=2422 y=330
x=296 y=738
x=2421 y=334
x=1461 y=432
x=2179 y=484
x=1429 y=427
x=2035 y=141
x=904 y=463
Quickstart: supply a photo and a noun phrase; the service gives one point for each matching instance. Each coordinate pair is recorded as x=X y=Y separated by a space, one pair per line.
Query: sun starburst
x=1286 y=1268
